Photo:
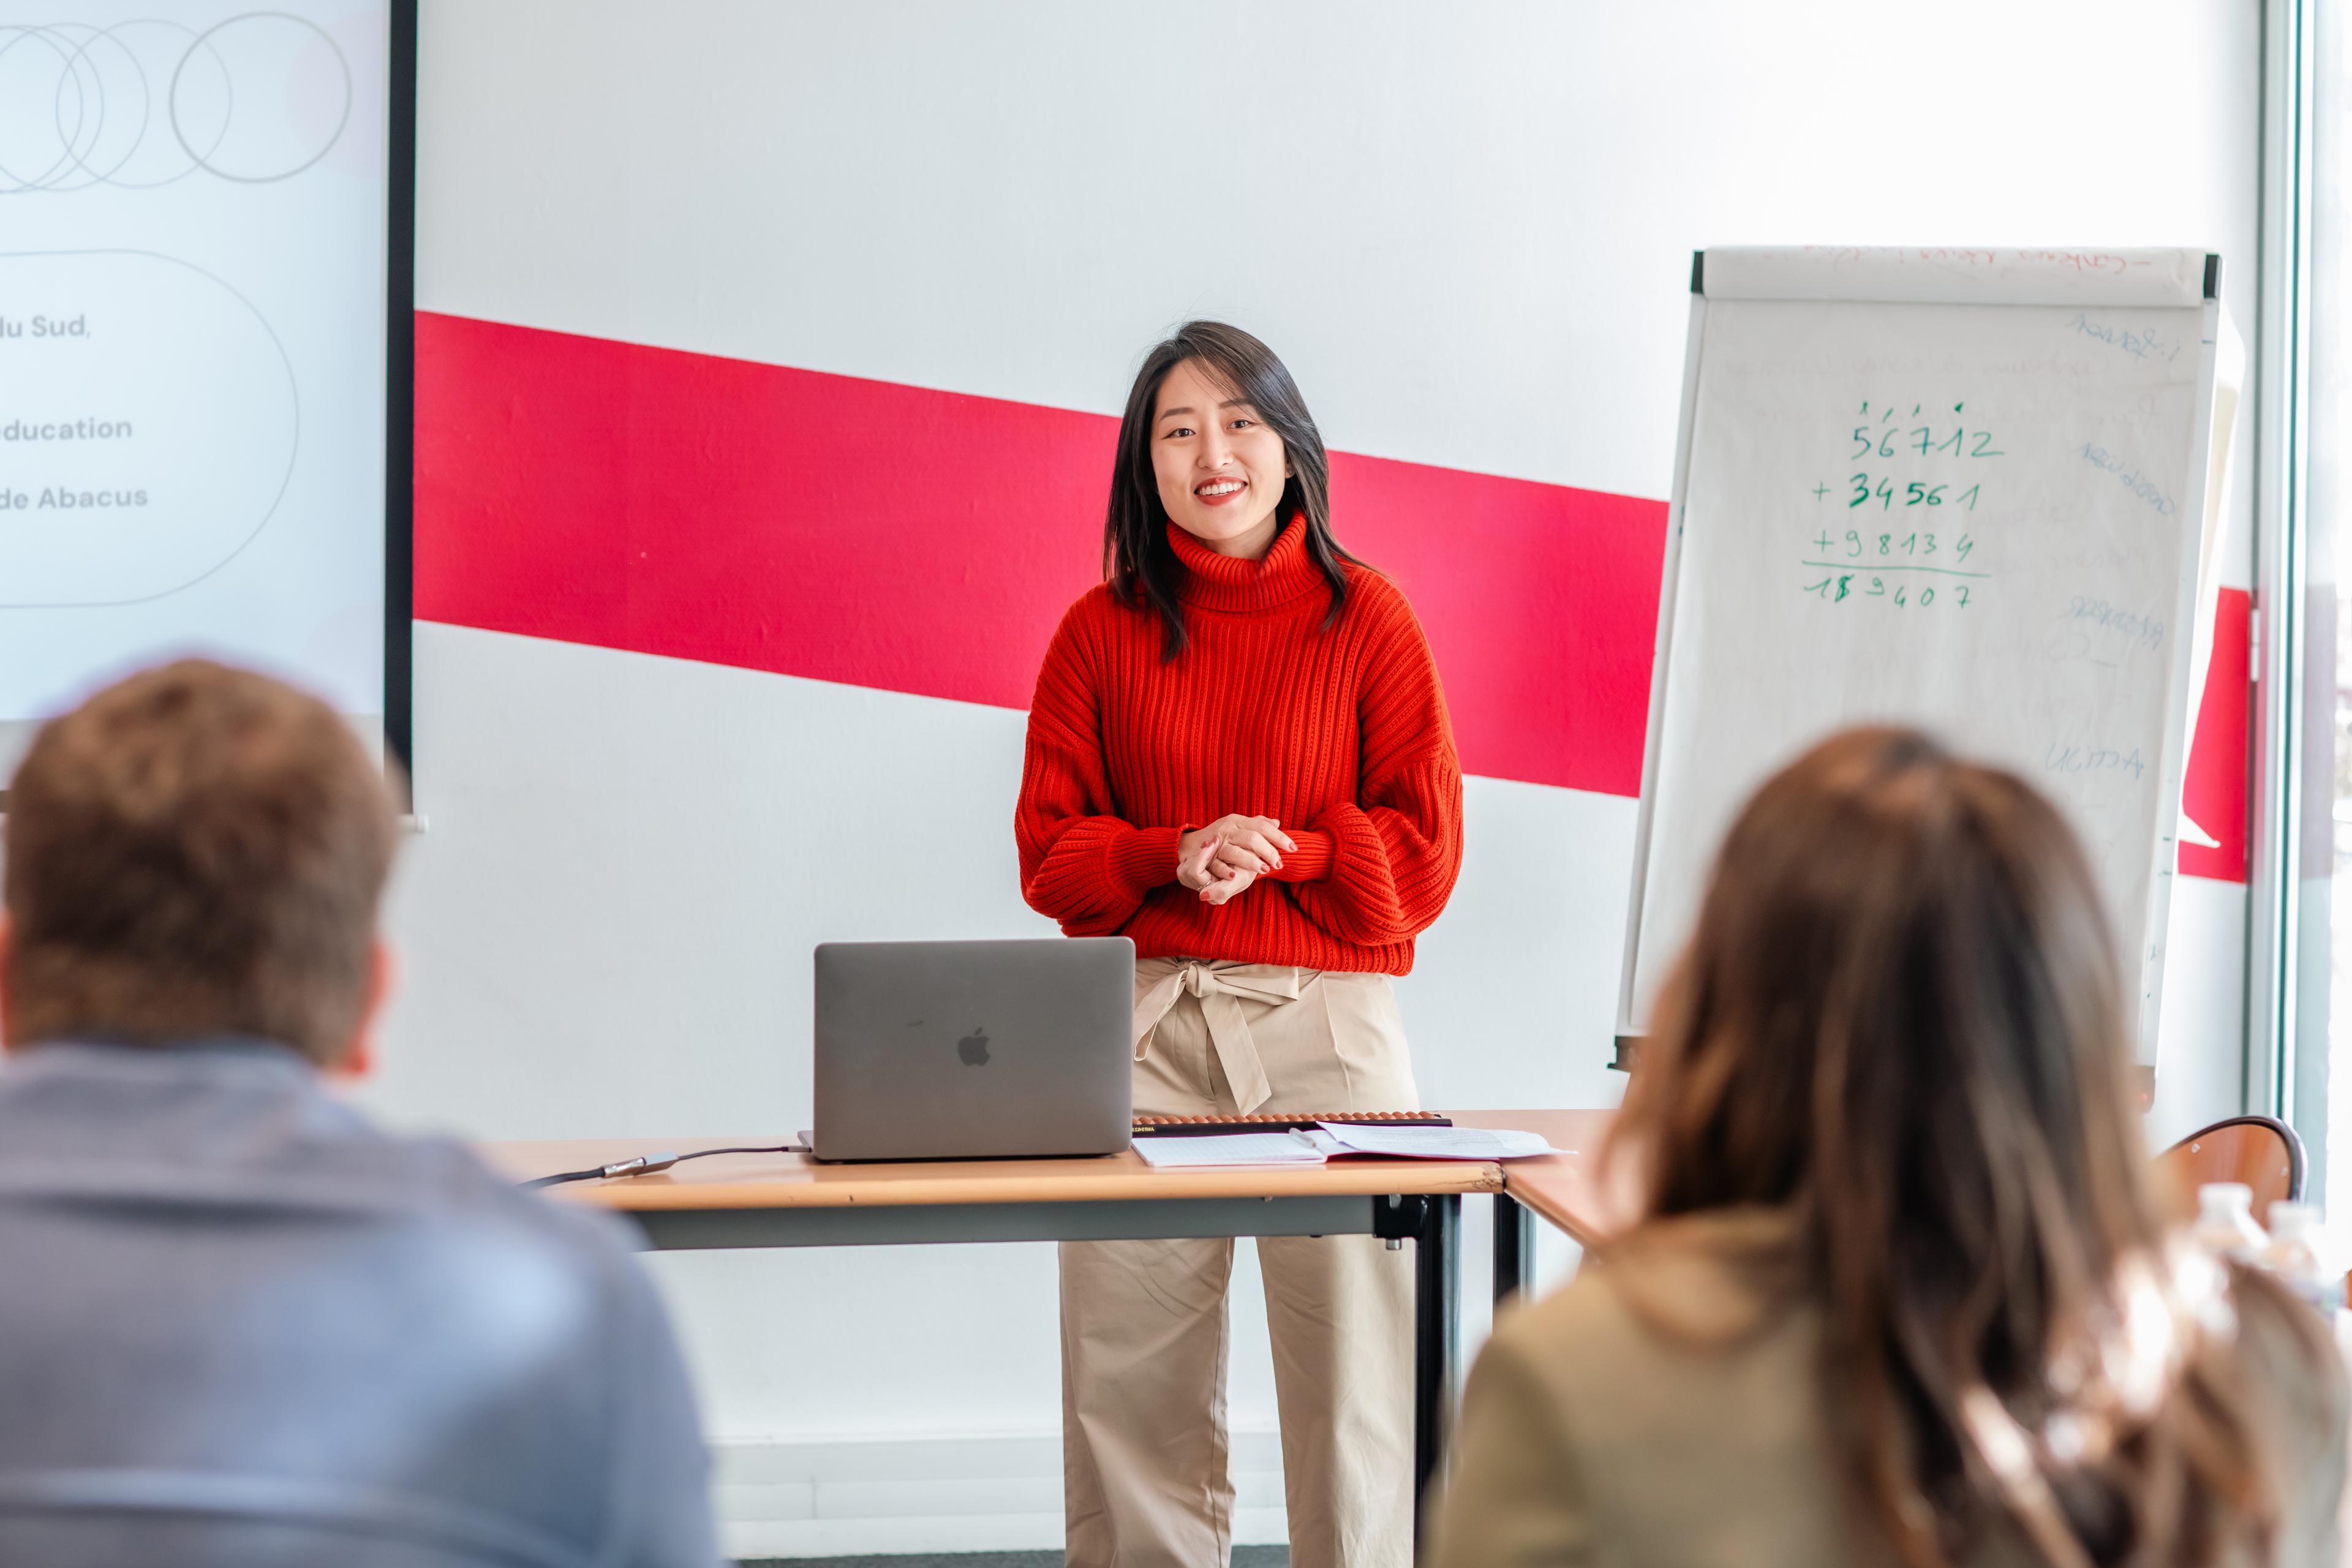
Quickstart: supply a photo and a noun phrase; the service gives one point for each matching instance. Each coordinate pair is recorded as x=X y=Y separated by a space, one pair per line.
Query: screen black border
x=400 y=400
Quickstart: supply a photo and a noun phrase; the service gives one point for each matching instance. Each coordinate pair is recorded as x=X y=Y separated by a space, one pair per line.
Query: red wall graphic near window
x=891 y=536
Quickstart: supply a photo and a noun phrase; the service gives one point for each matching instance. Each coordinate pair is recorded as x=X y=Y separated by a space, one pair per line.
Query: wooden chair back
x=2259 y=1150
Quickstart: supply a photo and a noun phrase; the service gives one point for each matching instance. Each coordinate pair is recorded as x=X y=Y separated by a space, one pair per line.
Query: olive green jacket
x=1666 y=1410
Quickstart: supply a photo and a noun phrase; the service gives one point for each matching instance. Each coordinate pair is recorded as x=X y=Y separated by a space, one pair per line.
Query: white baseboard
x=815 y=1496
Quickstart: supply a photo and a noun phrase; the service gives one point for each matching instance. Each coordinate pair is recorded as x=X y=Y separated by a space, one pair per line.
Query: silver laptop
x=958 y=1050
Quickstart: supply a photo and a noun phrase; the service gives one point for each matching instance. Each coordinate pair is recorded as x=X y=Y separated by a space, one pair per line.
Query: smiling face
x=1220 y=467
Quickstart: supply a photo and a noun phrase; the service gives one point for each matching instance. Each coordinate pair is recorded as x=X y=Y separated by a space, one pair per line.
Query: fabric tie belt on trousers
x=1220 y=987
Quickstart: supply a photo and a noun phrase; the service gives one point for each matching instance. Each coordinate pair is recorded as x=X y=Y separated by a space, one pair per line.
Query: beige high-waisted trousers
x=1143 y=1322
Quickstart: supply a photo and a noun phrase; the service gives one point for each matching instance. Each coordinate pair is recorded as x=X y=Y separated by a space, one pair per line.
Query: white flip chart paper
x=1961 y=490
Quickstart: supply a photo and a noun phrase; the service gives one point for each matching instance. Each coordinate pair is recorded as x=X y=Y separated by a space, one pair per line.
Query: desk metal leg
x=1515 y=1247
x=1437 y=1339
x=1433 y=1224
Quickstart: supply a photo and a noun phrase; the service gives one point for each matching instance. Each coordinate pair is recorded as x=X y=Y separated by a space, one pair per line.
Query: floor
x=1244 y=1557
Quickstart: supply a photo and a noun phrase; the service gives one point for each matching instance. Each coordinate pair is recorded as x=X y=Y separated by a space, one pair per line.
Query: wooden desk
x=1555 y=1186
x=789 y=1200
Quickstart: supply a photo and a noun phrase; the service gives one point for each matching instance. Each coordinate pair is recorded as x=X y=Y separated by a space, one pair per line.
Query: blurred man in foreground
x=238 y=1323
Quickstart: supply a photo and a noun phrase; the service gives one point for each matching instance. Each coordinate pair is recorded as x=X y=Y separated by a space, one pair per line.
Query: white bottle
x=2297 y=1256
x=2225 y=1222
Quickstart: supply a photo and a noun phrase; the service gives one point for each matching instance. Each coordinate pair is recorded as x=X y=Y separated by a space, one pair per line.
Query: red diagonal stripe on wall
x=2213 y=786
x=884 y=535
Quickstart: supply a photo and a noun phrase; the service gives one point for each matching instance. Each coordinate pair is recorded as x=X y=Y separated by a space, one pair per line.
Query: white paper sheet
x=1439 y=1142
x=1984 y=520
x=1230 y=1148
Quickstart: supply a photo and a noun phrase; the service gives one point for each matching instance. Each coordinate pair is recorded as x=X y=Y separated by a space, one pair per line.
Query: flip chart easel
x=1975 y=490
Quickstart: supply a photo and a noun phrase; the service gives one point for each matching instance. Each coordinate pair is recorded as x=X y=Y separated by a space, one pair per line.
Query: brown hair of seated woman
x=1900 y=1017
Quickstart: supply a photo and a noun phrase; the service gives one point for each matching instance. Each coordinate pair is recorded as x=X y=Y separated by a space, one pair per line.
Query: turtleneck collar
x=1214 y=582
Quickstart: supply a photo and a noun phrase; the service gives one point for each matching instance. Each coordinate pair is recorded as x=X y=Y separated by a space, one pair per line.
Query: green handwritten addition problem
x=1880 y=562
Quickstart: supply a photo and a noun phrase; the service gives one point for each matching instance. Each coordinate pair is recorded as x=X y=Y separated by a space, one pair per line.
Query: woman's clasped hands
x=1222 y=859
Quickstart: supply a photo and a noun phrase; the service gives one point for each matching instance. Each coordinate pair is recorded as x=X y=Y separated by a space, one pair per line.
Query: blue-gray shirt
x=241 y=1325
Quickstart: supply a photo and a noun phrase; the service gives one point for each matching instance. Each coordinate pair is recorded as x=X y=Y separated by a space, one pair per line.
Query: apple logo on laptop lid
x=973 y=1049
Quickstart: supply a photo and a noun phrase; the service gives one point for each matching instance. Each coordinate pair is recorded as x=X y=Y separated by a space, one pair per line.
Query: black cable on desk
x=646 y=1164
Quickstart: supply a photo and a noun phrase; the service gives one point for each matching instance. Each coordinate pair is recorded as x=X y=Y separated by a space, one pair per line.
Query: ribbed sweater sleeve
x=1081 y=863
x=1396 y=849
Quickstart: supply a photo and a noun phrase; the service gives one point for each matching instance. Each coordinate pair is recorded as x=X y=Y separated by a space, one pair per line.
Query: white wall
x=1467 y=229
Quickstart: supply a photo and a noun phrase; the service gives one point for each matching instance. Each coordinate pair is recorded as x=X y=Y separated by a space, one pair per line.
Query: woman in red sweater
x=1239 y=758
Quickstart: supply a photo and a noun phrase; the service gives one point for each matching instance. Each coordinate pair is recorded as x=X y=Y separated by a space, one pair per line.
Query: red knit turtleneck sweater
x=1339 y=734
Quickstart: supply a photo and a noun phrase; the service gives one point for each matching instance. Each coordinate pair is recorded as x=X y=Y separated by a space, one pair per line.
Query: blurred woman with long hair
x=1902 y=1290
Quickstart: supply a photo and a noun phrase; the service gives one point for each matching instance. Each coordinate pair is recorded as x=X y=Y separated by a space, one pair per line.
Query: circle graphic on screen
x=268 y=95
x=258 y=97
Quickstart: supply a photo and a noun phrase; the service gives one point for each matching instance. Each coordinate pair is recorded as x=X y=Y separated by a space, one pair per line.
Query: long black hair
x=1137 y=557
